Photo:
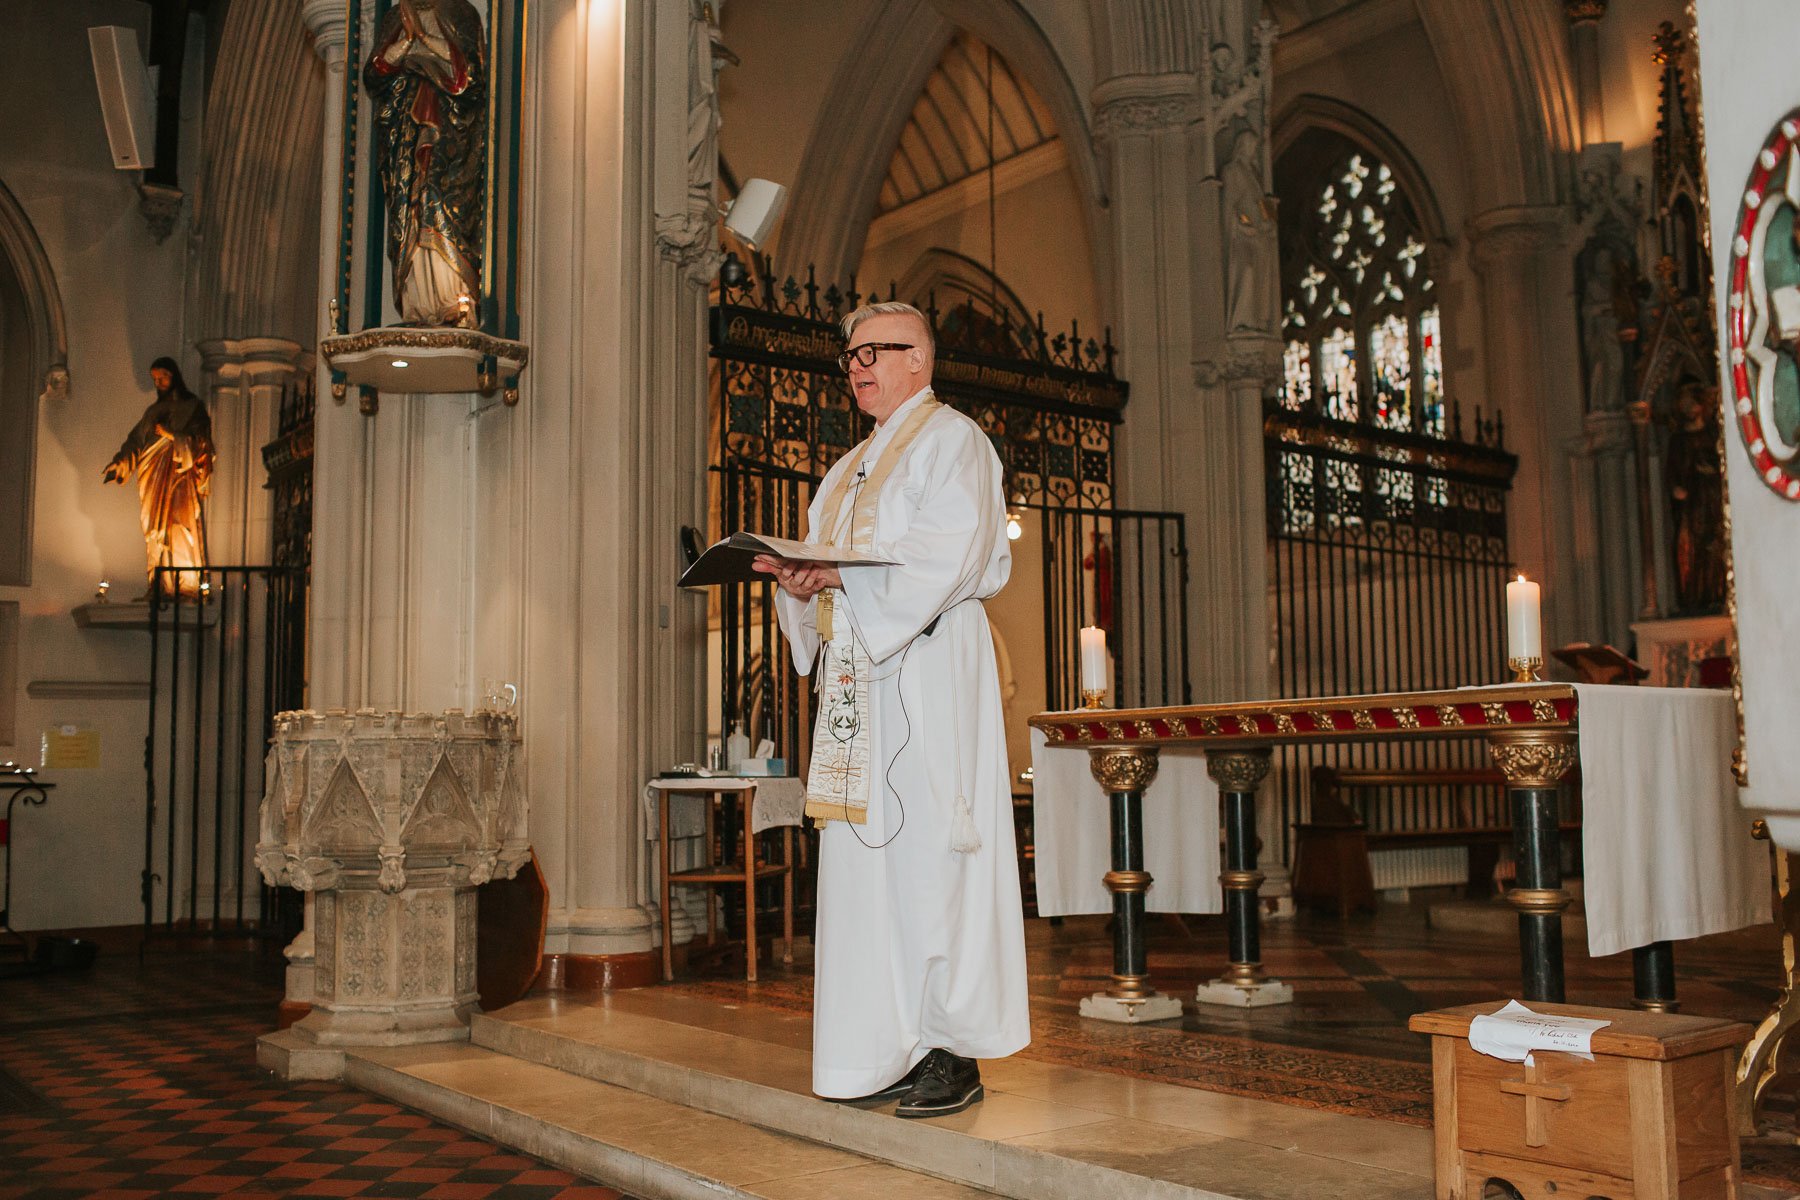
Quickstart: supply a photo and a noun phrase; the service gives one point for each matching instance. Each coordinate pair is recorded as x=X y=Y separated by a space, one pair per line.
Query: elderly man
x=919 y=947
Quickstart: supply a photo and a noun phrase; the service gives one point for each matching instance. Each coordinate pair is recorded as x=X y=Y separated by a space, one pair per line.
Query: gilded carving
x=1448 y=715
x=1406 y=718
x=1247 y=725
x=1533 y=758
x=1284 y=723
x=1120 y=769
x=1237 y=770
x=1543 y=710
x=1211 y=726
x=1495 y=713
x=1365 y=720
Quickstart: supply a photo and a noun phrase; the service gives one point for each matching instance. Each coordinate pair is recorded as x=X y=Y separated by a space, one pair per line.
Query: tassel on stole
x=964 y=837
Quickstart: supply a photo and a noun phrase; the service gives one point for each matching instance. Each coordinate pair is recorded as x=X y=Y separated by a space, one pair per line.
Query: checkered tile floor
x=131 y=1081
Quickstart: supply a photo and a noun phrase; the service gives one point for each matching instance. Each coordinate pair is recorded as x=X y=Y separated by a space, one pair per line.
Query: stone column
x=1533 y=374
x=1610 y=442
x=614 y=417
x=243 y=380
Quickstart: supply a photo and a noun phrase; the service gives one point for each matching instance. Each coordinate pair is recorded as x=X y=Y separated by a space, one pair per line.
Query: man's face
x=895 y=374
x=162 y=379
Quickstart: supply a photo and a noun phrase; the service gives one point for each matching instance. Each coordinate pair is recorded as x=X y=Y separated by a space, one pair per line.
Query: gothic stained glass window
x=1363 y=340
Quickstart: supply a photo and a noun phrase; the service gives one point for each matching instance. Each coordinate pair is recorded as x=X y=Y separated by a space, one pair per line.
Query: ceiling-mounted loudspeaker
x=125 y=99
x=753 y=214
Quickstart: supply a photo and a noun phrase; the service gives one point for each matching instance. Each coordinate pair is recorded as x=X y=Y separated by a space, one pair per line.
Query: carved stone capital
x=1123 y=769
x=161 y=205
x=1520 y=231
x=1237 y=770
x=1249 y=358
x=688 y=242
x=1584 y=12
x=329 y=23
x=1145 y=104
x=1533 y=758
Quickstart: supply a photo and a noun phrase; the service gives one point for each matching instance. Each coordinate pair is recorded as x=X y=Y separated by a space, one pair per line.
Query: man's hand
x=114 y=472
x=801 y=580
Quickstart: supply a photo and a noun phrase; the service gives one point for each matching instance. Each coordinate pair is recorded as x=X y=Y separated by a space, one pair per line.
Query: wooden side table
x=744 y=871
x=1648 y=1119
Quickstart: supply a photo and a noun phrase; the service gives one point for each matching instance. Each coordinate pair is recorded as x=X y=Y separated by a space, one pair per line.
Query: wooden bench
x=1331 y=850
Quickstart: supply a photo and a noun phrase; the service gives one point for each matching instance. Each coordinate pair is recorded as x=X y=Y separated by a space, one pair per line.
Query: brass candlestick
x=1525 y=670
x=1093 y=699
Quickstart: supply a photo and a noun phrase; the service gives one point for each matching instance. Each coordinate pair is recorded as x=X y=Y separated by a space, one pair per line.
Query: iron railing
x=226 y=654
x=1387 y=563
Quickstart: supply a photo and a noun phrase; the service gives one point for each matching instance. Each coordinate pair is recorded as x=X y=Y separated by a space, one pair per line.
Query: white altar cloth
x=1072 y=833
x=1666 y=850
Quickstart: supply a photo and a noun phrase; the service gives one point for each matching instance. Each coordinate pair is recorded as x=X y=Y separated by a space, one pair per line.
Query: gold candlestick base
x=1093 y=699
x=1525 y=670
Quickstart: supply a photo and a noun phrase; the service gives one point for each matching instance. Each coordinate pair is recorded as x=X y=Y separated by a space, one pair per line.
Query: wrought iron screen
x=1127 y=573
x=1387 y=560
x=226 y=654
x=783 y=413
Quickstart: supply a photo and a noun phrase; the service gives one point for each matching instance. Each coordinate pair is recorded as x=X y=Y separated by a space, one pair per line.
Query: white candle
x=1093 y=659
x=1524 y=625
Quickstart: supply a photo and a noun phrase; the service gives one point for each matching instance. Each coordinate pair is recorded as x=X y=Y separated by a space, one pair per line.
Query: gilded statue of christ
x=171 y=449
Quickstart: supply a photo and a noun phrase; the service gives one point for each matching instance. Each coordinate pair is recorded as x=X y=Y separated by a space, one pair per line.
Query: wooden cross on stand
x=1538 y=1095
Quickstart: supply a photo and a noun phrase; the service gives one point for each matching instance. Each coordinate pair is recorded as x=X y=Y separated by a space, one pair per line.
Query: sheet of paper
x=1515 y=1031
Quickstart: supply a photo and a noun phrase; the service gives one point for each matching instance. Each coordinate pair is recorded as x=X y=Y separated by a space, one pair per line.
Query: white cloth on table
x=1666 y=851
x=780 y=800
x=1072 y=832
x=918 y=946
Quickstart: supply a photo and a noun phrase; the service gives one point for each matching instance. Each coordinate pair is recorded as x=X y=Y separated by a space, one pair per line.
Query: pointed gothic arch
x=34 y=366
x=871 y=97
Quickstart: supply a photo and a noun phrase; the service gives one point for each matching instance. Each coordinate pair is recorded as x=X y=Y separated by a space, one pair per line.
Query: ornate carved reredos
x=1238 y=770
x=390 y=800
x=1123 y=770
x=1533 y=758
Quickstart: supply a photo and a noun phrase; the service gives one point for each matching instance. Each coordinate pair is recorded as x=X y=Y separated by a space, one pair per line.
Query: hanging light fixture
x=1015 y=519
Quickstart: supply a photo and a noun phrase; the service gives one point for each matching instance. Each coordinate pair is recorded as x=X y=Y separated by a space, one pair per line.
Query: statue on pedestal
x=428 y=77
x=1252 y=246
x=1696 y=477
x=171 y=450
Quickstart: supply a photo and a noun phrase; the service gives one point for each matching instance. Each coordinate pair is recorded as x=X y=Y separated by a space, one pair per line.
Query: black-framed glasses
x=864 y=355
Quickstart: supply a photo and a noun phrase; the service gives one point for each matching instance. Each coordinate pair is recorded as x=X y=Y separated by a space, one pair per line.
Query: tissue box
x=763 y=766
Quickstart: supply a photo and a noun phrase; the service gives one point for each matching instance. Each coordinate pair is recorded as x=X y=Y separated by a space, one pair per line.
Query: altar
x=1669 y=854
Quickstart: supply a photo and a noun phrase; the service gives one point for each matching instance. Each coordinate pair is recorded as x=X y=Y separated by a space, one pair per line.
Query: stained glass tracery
x=1363 y=337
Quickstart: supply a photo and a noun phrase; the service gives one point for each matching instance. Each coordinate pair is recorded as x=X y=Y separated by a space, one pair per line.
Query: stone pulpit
x=392 y=820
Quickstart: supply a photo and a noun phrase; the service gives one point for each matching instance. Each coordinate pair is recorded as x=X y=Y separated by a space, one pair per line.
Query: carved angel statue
x=171 y=450
x=428 y=77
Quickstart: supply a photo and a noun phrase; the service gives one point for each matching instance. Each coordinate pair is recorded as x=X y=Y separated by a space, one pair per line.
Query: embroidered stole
x=839 y=779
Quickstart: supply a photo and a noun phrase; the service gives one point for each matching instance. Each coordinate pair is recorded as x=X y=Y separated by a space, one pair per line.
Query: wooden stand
x=723 y=869
x=1648 y=1119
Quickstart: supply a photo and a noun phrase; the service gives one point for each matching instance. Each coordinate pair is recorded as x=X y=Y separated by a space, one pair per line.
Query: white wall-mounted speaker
x=126 y=101
x=753 y=214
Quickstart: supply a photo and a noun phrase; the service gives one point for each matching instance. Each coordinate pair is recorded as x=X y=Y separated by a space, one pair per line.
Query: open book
x=728 y=560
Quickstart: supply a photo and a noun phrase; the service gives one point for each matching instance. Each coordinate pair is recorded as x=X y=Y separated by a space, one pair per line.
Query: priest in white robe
x=919 y=946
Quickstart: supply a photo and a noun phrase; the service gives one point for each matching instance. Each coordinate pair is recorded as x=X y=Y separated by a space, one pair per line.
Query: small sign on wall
x=71 y=748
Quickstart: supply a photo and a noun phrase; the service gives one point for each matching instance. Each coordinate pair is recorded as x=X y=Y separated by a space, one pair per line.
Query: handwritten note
x=1515 y=1031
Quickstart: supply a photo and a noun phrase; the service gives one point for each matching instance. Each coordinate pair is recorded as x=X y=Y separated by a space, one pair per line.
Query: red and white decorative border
x=1747 y=322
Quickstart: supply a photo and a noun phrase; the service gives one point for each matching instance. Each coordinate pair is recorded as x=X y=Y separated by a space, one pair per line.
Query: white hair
x=892 y=308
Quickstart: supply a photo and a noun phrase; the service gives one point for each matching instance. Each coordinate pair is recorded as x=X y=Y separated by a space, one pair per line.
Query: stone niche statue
x=428 y=77
x=1696 y=482
x=171 y=449
x=1252 y=246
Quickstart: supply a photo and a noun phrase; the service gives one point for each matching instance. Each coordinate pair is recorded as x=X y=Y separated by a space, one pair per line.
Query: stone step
x=1044 y=1132
x=648 y=1147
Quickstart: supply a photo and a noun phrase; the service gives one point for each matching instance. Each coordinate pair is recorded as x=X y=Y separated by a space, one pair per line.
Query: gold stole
x=838 y=781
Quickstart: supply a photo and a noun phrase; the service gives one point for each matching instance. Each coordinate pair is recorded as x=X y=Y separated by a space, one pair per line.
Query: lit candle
x=1524 y=625
x=1093 y=659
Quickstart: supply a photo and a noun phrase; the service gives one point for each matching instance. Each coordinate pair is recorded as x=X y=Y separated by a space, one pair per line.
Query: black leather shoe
x=948 y=1084
x=892 y=1091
